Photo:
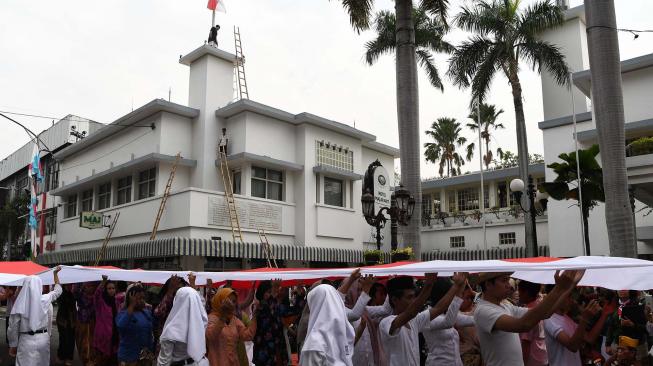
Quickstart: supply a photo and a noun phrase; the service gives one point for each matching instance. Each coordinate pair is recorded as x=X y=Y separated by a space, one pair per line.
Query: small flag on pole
x=217 y=5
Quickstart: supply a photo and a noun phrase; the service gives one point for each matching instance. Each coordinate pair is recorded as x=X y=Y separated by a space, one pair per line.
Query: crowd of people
x=484 y=319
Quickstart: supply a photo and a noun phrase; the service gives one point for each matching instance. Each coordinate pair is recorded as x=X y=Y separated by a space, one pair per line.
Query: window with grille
x=87 y=200
x=451 y=200
x=334 y=192
x=235 y=181
x=71 y=206
x=124 y=191
x=146 y=183
x=334 y=156
x=468 y=199
x=457 y=241
x=507 y=238
x=104 y=196
x=51 y=221
x=52 y=176
x=267 y=183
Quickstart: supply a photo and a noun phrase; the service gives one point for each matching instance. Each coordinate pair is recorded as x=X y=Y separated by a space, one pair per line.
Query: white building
x=14 y=179
x=297 y=176
x=637 y=78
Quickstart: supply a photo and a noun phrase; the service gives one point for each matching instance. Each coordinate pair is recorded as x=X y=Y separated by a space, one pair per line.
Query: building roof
x=206 y=50
x=565 y=120
x=246 y=105
x=124 y=122
x=630 y=128
x=583 y=79
x=476 y=176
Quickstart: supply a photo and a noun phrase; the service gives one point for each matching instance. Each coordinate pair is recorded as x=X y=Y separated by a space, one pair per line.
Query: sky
x=99 y=59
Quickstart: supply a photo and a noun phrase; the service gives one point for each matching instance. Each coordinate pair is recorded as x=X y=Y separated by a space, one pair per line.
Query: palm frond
x=539 y=17
x=385 y=41
x=470 y=151
x=467 y=58
x=543 y=54
x=484 y=18
x=485 y=72
x=438 y=8
x=360 y=12
x=426 y=61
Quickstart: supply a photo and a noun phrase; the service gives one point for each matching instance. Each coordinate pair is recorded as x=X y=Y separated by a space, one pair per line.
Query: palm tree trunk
x=608 y=106
x=486 y=158
x=586 y=215
x=408 y=118
x=522 y=151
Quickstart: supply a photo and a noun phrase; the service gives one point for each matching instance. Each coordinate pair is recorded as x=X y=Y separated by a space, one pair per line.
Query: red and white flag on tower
x=217 y=5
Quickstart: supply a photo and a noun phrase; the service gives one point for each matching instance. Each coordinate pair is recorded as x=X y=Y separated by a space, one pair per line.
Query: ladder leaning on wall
x=240 y=66
x=229 y=197
x=164 y=199
x=105 y=243
x=267 y=249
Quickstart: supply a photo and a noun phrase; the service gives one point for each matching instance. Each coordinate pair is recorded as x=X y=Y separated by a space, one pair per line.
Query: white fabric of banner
x=609 y=272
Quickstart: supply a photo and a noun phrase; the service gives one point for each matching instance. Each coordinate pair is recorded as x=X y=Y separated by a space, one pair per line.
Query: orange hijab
x=217 y=300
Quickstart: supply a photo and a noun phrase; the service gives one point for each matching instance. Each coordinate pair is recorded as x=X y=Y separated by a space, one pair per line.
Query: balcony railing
x=443 y=220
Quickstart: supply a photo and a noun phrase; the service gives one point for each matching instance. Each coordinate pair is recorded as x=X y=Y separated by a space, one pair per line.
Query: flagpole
x=213 y=18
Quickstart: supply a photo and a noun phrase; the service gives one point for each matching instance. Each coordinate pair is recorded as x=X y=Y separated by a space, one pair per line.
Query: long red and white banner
x=609 y=272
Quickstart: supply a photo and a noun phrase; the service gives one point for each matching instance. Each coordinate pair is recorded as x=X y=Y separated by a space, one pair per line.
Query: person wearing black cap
x=499 y=323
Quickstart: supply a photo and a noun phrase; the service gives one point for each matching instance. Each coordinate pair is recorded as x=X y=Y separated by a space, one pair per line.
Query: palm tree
x=445 y=133
x=360 y=12
x=428 y=38
x=608 y=105
x=489 y=115
x=591 y=183
x=505 y=36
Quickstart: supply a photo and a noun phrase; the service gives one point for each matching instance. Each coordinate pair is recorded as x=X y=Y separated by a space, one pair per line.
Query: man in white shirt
x=399 y=332
x=499 y=323
x=223 y=141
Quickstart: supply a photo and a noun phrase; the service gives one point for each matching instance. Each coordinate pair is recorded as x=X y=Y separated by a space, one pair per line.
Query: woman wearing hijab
x=183 y=340
x=66 y=316
x=269 y=342
x=135 y=325
x=30 y=322
x=225 y=330
x=330 y=336
x=85 y=324
x=105 y=338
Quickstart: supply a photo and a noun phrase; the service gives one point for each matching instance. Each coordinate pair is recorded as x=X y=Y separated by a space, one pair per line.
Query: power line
x=70 y=119
x=634 y=32
x=29 y=132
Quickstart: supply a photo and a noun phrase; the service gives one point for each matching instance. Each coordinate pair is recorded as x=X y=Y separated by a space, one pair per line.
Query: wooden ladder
x=164 y=199
x=236 y=233
x=240 y=66
x=267 y=249
x=105 y=243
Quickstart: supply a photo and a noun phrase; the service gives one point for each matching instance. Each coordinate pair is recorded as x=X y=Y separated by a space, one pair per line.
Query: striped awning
x=473 y=255
x=172 y=247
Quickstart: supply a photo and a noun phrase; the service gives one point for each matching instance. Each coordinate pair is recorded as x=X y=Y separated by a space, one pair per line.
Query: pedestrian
x=135 y=324
x=66 y=319
x=533 y=343
x=225 y=330
x=105 y=337
x=368 y=350
x=166 y=296
x=183 y=340
x=30 y=322
x=498 y=322
x=400 y=331
x=269 y=342
x=85 y=323
x=440 y=335
x=330 y=336
x=626 y=354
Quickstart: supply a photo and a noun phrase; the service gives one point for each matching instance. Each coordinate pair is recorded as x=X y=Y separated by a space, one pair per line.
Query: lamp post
x=402 y=205
x=518 y=188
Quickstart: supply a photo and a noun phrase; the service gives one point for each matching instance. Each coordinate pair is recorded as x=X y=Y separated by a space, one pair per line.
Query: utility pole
x=608 y=114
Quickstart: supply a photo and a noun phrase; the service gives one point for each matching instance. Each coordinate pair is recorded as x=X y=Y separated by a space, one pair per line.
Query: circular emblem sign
x=381 y=180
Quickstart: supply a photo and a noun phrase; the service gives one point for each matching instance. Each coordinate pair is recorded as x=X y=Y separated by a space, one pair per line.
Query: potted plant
x=442 y=216
x=476 y=215
x=495 y=210
x=372 y=257
x=402 y=254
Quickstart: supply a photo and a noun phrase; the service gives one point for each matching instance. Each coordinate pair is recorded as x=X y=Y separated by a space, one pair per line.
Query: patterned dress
x=269 y=341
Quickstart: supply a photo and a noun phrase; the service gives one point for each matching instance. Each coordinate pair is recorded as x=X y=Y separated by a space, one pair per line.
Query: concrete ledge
x=476 y=176
x=336 y=173
x=206 y=50
x=631 y=129
x=564 y=121
x=263 y=161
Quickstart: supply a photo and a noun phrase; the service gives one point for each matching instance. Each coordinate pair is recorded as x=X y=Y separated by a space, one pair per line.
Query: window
x=426 y=205
x=52 y=177
x=507 y=238
x=451 y=201
x=502 y=194
x=333 y=192
x=146 y=183
x=51 y=221
x=71 y=206
x=468 y=199
x=124 y=192
x=21 y=185
x=87 y=200
x=338 y=157
x=486 y=197
x=267 y=183
x=457 y=241
x=104 y=196
x=235 y=181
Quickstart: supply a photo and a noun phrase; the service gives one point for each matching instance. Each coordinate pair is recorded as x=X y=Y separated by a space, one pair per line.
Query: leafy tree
x=445 y=133
x=489 y=115
x=12 y=220
x=565 y=185
x=503 y=37
x=428 y=38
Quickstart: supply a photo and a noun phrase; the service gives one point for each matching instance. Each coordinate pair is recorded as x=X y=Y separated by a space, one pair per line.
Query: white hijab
x=187 y=323
x=31 y=305
x=329 y=331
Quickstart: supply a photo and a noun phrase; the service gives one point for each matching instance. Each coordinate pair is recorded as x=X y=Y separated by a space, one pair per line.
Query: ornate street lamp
x=518 y=188
x=402 y=206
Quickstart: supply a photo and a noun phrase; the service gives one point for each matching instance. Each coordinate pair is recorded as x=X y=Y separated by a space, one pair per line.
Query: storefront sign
x=381 y=188
x=91 y=220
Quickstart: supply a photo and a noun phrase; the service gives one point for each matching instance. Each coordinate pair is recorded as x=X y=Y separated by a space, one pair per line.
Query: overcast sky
x=97 y=58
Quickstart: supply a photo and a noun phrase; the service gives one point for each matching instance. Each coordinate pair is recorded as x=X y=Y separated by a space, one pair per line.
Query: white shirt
x=559 y=355
x=498 y=348
x=442 y=338
x=17 y=325
x=402 y=347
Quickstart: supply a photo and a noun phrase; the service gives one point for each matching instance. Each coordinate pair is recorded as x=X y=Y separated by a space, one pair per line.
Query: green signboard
x=91 y=220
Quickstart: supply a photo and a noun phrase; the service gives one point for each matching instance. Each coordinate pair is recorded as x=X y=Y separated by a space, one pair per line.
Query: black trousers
x=66 y=350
